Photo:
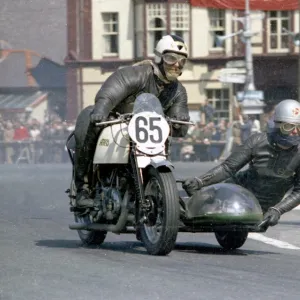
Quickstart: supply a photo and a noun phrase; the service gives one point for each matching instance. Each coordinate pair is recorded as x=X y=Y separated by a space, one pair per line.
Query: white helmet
x=287 y=111
x=170 y=43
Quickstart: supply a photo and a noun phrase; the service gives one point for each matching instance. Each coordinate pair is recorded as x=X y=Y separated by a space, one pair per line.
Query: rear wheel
x=230 y=240
x=159 y=233
x=89 y=237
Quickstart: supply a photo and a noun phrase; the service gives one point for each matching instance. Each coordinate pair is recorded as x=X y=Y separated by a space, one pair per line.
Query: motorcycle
x=131 y=180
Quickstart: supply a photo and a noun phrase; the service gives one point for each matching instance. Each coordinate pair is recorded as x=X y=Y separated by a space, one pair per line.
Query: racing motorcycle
x=131 y=180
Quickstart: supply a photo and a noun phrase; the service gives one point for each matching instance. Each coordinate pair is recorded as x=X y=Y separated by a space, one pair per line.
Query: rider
x=274 y=165
x=118 y=93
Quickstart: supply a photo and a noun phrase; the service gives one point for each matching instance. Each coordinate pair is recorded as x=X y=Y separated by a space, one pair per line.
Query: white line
x=273 y=242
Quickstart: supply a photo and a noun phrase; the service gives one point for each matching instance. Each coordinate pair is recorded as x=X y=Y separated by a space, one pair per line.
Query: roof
x=12 y=70
x=49 y=74
x=38 y=25
x=19 y=101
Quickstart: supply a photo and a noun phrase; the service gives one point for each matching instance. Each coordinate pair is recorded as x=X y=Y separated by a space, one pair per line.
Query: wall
x=125 y=10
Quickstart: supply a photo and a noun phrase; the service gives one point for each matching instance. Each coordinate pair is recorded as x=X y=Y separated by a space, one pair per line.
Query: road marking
x=273 y=242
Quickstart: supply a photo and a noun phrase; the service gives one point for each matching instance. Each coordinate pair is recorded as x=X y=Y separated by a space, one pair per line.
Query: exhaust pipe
x=117 y=228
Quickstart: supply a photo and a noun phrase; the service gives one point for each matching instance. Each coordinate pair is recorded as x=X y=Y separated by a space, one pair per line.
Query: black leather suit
x=118 y=94
x=271 y=173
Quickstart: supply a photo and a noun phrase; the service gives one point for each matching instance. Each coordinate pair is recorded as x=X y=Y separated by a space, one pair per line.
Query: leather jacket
x=272 y=171
x=119 y=91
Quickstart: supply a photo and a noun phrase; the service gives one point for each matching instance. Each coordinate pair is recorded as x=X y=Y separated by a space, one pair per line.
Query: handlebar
x=263 y=225
x=123 y=118
x=116 y=121
x=174 y=121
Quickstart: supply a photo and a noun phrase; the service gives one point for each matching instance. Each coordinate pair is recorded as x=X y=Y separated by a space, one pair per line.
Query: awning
x=18 y=102
x=254 y=4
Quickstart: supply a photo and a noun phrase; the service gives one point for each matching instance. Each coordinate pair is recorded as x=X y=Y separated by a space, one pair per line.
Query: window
x=278 y=40
x=180 y=20
x=110 y=33
x=157 y=24
x=216 y=26
x=219 y=99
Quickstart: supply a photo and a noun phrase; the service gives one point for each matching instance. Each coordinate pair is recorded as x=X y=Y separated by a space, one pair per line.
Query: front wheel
x=159 y=232
x=231 y=240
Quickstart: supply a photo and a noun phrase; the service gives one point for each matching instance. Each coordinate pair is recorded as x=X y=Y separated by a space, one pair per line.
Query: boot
x=81 y=168
x=84 y=153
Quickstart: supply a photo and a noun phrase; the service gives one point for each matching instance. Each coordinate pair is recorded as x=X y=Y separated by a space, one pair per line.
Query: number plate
x=149 y=131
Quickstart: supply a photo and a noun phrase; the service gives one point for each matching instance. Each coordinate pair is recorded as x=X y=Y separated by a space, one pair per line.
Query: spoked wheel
x=159 y=232
x=89 y=237
x=231 y=240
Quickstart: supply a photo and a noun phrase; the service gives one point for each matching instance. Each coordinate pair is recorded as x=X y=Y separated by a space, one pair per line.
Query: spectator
x=8 y=137
x=35 y=132
x=208 y=111
x=21 y=132
x=246 y=125
x=255 y=124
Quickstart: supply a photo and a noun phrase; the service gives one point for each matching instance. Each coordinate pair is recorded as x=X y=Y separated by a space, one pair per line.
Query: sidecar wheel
x=90 y=237
x=231 y=240
x=159 y=233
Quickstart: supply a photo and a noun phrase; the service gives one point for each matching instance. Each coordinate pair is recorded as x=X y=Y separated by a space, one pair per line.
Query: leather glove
x=97 y=117
x=273 y=215
x=191 y=185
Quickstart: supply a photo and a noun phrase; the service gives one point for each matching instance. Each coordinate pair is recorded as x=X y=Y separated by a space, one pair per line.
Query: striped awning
x=21 y=101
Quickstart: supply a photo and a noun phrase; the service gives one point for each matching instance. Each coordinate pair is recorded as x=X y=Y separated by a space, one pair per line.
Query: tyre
x=231 y=239
x=90 y=237
x=159 y=233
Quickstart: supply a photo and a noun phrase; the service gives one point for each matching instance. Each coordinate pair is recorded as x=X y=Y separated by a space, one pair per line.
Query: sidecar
x=228 y=210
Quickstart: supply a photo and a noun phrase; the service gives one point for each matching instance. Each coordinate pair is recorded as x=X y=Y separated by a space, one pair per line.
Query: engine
x=111 y=202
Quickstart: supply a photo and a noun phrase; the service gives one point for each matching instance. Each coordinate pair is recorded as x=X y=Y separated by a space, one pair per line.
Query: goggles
x=173 y=58
x=287 y=128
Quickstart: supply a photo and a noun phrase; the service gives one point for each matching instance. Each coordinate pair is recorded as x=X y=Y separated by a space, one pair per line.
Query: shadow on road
x=128 y=247
x=204 y=248
x=137 y=247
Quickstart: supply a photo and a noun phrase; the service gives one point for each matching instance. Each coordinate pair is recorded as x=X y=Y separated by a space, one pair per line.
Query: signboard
x=233 y=71
x=250 y=95
x=232 y=78
x=252 y=107
x=236 y=64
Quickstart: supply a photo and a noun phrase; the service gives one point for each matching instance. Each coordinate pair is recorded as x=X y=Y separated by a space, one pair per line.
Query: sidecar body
x=220 y=207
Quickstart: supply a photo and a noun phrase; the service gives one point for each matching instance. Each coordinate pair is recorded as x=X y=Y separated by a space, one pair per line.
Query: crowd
x=33 y=141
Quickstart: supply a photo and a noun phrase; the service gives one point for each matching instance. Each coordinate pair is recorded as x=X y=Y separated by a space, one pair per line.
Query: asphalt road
x=40 y=258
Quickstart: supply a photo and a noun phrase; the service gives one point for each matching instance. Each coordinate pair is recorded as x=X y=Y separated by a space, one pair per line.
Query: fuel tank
x=223 y=203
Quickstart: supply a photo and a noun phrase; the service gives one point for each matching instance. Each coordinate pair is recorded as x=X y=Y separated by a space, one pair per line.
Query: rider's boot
x=84 y=154
x=81 y=179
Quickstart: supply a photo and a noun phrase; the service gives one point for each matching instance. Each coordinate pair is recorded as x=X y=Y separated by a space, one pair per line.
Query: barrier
x=53 y=151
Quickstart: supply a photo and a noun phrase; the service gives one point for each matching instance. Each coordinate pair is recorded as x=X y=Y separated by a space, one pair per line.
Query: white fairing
x=149 y=131
x=113 y=145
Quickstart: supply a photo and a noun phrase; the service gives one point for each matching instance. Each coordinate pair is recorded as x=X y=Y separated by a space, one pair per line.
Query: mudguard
x=155 y=161
x=223 y=203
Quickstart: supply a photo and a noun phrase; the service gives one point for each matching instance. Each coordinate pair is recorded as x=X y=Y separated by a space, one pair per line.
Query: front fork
x=141 y=205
